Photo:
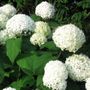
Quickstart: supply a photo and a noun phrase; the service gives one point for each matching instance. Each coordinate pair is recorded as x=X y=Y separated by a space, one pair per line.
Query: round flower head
x=45 y=10
x=4 y=36
x=78 y=67
x=8 y=9
x=55 y=75
x=87 y=85
x=20 y=23
x=38 y=39
x=43 y=28
x=3 y=20
x=69 y=37
x=9 y=88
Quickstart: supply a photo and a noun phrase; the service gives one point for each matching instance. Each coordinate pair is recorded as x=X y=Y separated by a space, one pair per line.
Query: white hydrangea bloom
x=4 y=35
x=78 y=67
x=8 y=9
x=45 y=10
x=3 y=20
x=38 y=39
x=20 y=23
x=87 y=85
x=9 y=88
x=69 y=37
x=43 y=28
x=55 y=75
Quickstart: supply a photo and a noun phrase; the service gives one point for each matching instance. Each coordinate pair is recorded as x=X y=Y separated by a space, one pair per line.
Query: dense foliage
x=22 y=64
x=74 y=11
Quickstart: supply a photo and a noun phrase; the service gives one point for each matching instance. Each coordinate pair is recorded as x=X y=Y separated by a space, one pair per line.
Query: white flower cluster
x=12 y=24
x=45 y=10
x=3 y=20
x=4 y=35
x=9 y=88
x=20 y=23
x=8 y=10
x=87 y=85
x=78 y=67
x=38 y=39
x=43 y=28
x=55 y=75
x=69 y=37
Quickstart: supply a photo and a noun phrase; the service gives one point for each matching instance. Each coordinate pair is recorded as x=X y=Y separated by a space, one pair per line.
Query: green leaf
x=53 y=24
x=35 y=18
x=39 y=83
x=85 y=4
x=2 y=74
x=62 y=1
x=39 y=80
x=13 y=47
x=23 y=82
x=4 y=62
x=77 y=16
x=50 y=45
x=35 y=64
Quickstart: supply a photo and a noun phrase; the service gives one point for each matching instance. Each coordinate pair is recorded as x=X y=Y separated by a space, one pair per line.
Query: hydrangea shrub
x=38 y=53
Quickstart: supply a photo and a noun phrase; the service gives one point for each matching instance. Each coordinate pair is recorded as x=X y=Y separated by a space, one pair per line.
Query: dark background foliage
x=67 y=11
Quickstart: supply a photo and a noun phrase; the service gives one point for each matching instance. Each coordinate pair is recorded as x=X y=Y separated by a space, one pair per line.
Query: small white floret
x=43 y=28
x=38 y=39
